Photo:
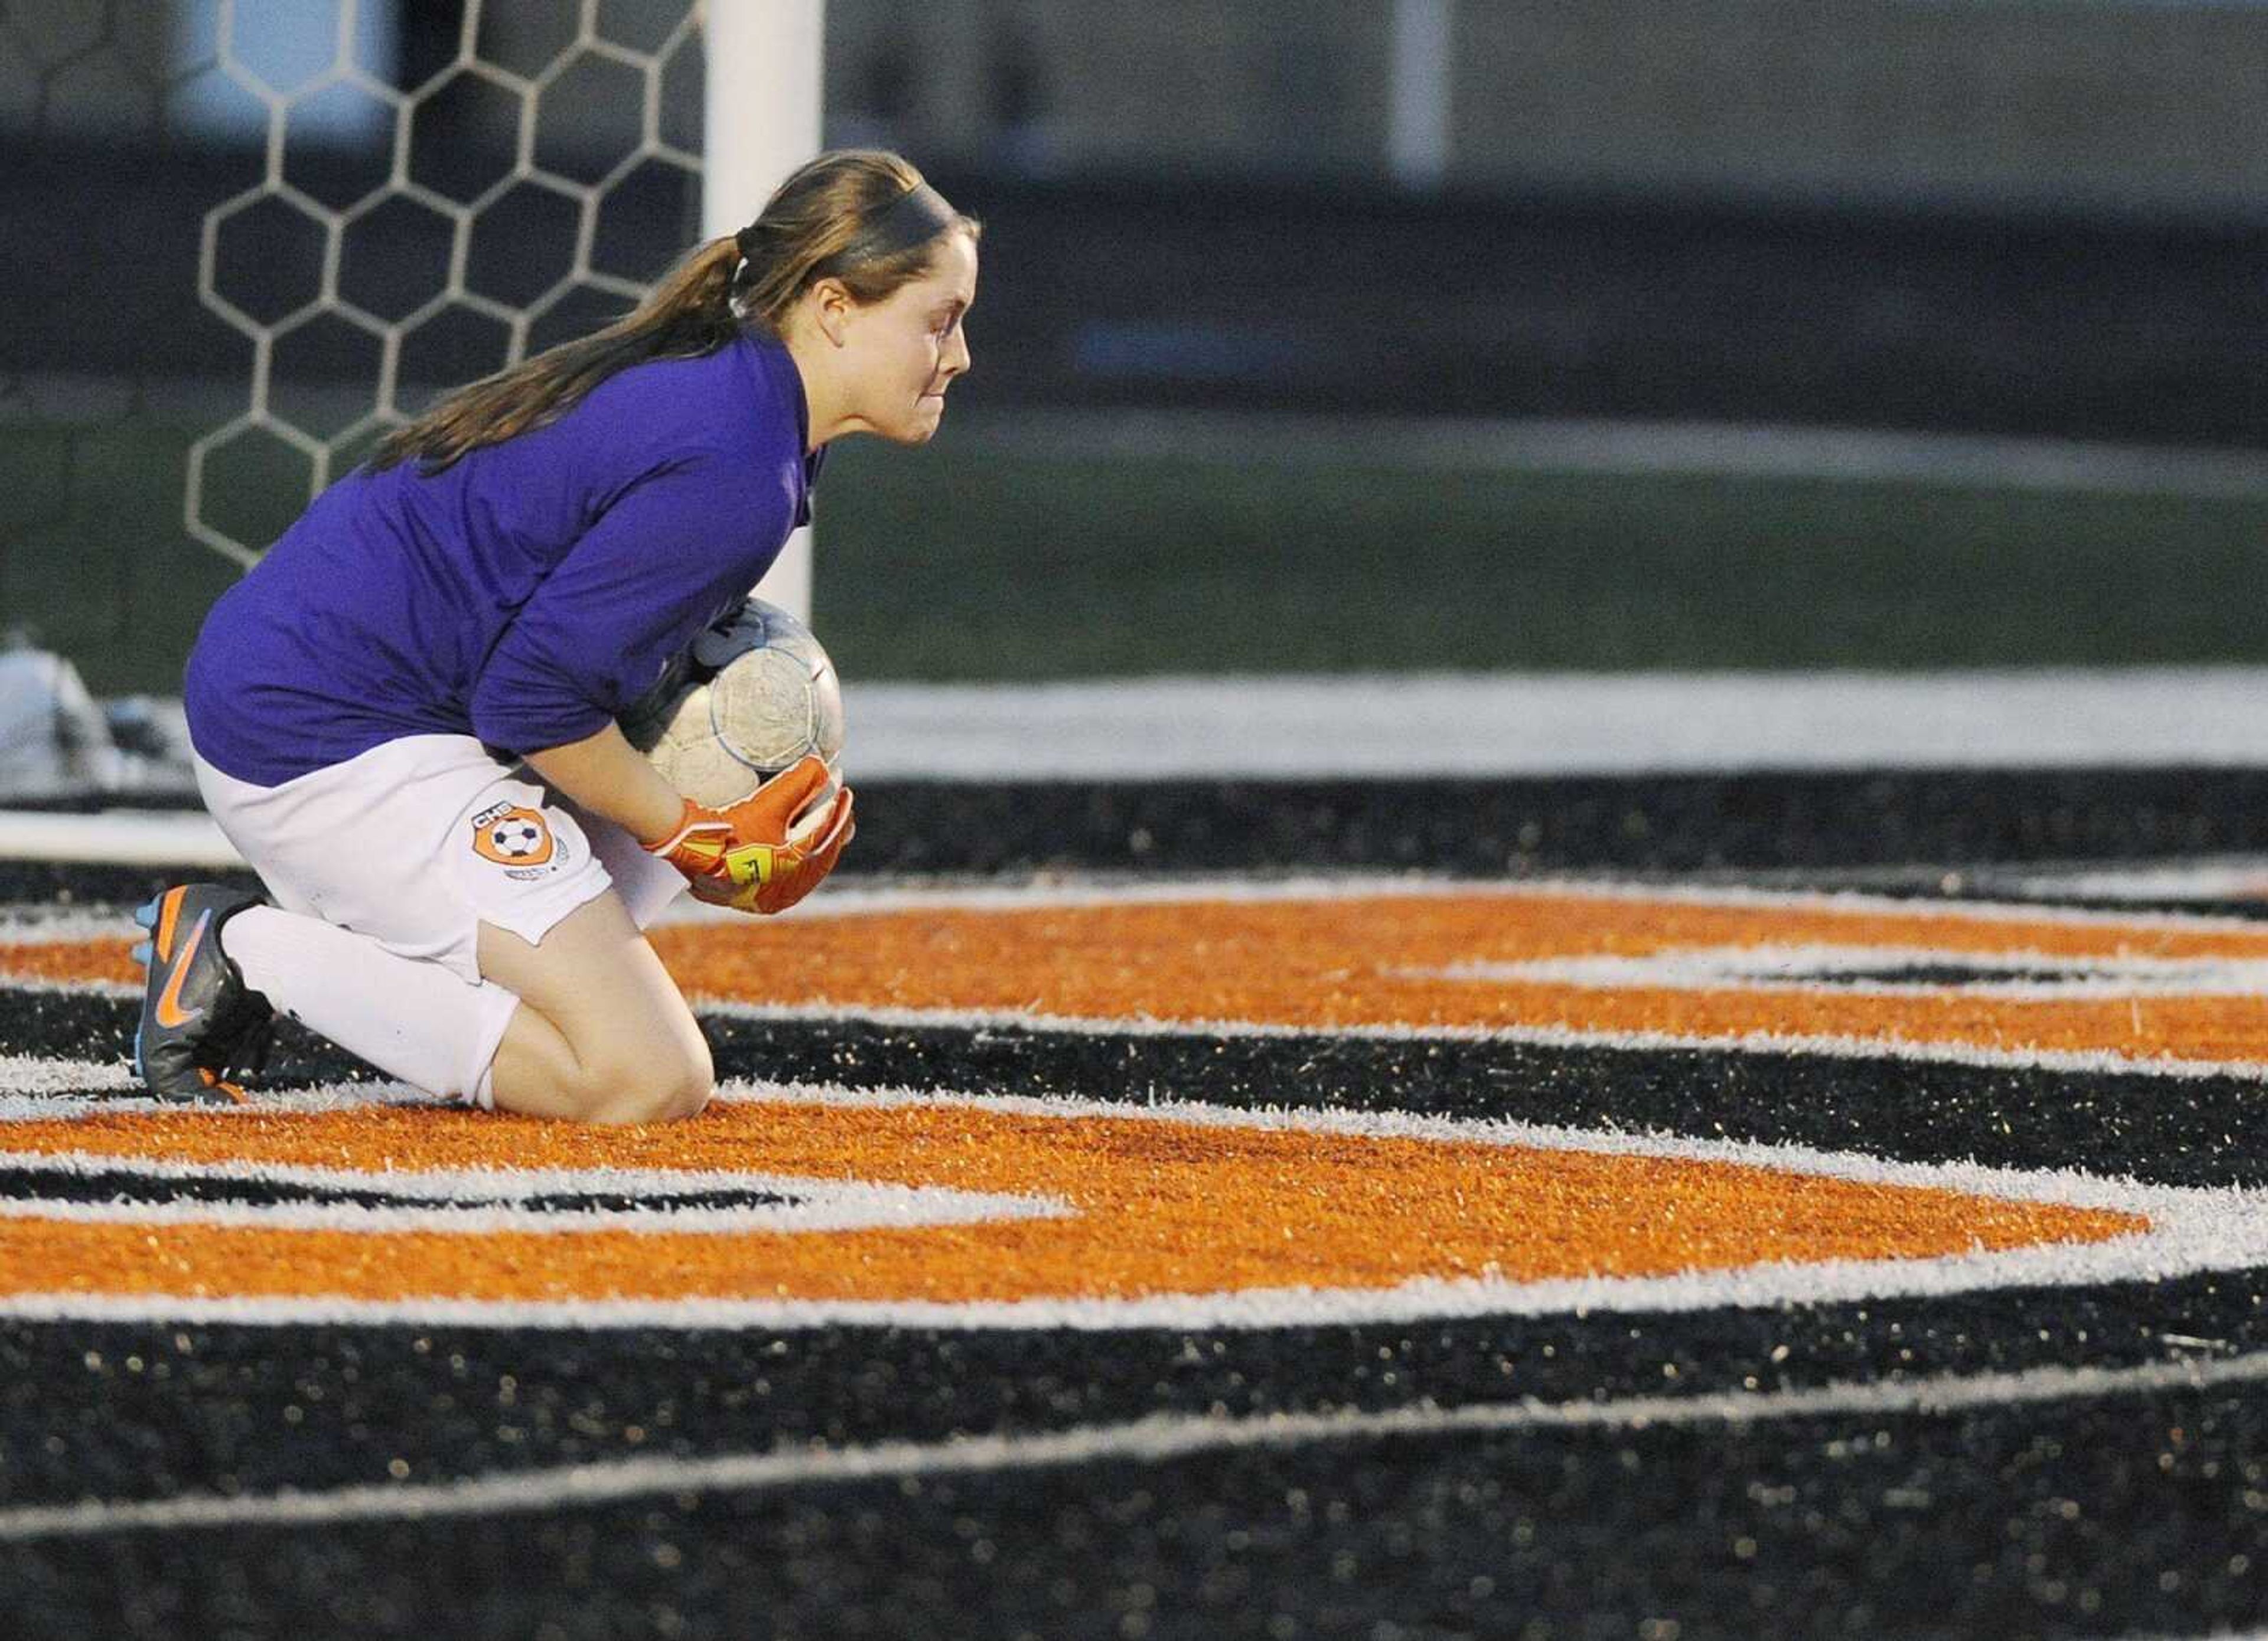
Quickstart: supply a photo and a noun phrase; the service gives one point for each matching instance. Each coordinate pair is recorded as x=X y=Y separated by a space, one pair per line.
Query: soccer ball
x=755 y=695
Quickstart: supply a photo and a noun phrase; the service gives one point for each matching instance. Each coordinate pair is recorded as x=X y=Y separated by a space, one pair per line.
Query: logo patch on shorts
x=512 y=835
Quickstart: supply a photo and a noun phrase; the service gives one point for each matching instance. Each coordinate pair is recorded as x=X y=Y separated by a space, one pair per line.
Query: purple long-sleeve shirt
x=524 y=595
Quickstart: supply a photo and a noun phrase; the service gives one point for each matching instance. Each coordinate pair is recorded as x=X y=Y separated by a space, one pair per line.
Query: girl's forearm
x=608 y=777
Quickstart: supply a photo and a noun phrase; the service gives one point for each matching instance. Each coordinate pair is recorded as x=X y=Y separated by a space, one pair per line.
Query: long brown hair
x=810 y=229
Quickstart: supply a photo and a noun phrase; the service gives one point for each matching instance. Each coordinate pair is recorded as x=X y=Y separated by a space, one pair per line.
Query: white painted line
x=479 y=1202
x=2222 y=878
x=33 y=1074
x=852 y=898
x=1823 y=970
x=1558 y=723
x=1159 y=1438
x=40 y=986
x=117 y=838
x=125 y=1098
x=1385 y=725
x=44 y=925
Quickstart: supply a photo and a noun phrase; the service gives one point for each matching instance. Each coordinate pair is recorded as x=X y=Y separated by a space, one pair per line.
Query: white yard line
x=41 y=925
x=1156 y=1439
x=25 y=1074
x=854 y=897
x=1816 y=970
x=1558 y=723
x=116 y=838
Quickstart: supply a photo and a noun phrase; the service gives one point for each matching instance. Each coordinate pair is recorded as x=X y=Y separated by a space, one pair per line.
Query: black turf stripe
x=127 y=1185
x=566 y=1396
x=2203 y=1130
x=1937 y=974
x=85 y=1025
x=1772 y=820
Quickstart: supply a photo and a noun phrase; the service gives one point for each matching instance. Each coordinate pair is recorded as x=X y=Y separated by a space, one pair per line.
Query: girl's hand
x=767 y=851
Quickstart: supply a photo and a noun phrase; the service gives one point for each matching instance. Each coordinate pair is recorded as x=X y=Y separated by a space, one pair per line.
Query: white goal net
x=441 y=214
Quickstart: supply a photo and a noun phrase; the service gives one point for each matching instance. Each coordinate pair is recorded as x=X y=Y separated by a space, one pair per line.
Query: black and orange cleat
x=199 y=1020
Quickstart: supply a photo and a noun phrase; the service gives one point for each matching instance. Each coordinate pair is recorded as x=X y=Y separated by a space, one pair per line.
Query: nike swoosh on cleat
x=170 y=1012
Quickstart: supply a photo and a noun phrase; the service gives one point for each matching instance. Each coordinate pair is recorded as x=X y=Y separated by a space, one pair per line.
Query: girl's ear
x=830 y=306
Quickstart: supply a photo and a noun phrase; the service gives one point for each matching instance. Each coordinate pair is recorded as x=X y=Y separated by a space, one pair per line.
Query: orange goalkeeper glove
x=764 y=853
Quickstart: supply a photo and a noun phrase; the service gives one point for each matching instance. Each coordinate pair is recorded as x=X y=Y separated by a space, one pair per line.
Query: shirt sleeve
x=655 y=567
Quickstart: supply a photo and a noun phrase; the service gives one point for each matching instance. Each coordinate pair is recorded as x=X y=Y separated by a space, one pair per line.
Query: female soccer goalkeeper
x=508 y=573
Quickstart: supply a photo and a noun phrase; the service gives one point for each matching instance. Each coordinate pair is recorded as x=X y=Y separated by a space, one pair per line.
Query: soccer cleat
x=199 y=1020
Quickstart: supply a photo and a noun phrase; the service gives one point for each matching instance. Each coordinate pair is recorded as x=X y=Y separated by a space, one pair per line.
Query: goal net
x=454 y=200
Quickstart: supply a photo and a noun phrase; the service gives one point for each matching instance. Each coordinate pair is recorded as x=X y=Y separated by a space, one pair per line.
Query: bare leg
x=602 y=1033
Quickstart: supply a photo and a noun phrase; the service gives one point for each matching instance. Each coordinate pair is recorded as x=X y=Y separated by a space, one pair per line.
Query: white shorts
x=417 y=843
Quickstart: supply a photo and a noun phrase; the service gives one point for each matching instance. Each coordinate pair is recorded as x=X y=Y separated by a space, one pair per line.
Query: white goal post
x=760 y=119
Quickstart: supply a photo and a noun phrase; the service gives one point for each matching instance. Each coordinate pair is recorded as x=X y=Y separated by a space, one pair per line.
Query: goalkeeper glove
x=762 y=854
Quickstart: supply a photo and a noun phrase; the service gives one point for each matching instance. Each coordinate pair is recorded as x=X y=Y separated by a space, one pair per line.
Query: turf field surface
x=1632 y=1252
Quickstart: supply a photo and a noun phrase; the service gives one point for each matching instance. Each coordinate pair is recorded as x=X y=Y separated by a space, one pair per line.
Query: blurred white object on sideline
x=57 y=741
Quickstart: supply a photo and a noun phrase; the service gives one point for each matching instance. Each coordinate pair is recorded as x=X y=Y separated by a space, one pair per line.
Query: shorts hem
x=539 y=921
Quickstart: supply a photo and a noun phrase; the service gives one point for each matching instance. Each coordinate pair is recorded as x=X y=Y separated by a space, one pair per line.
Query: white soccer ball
x=755 y=695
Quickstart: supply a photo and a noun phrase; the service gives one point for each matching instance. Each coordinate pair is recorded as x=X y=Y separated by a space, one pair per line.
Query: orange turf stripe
x=1161 y=1208
x=1383 y=931
x=72 y=960
x=2214 y=1028
x=1333 y=962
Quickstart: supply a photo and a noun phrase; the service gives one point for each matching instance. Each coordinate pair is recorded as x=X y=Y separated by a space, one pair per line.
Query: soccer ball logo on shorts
x=755 y=695
x=512 y=836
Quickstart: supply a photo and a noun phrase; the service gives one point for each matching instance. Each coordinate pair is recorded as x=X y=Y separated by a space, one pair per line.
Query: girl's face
x=901 y=354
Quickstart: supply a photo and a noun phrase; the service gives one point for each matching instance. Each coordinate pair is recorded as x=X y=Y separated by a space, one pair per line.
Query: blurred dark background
x=2032 y=219
x=1348 y=297
x=2025 y=217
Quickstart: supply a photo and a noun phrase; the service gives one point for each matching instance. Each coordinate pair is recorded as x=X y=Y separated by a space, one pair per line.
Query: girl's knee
x=644 y=1091
x=602 y=1066
x=687 y=1095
